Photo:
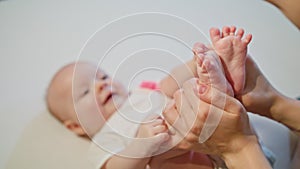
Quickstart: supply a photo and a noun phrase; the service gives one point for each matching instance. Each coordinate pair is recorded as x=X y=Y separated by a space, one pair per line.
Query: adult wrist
x=286 y=111
x=273 y=99
x=246 y=154
x=278 y=106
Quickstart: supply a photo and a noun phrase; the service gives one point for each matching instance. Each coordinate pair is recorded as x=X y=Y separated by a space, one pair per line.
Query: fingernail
x=172 y=131
x=197 y=50
x=194 y=51
x=202 y=88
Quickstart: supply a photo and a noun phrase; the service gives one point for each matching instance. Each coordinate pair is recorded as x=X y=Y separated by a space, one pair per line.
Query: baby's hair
x=48 y=90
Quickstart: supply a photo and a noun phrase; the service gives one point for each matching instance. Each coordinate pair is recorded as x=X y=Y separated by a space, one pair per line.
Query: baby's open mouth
x=108 y=98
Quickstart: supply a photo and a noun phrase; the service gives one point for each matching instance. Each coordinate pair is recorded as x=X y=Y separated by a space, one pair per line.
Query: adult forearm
x=249 y=157
x=262 y=98
x=290 y=8
x=287 y=111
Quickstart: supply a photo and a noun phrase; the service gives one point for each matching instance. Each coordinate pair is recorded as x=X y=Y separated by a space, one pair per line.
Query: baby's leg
x=210 y=72
x=210 y=69
x=232 y=49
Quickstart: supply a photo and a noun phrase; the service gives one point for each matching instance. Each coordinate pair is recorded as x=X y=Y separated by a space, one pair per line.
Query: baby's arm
x=177 y=77
x=151 y=134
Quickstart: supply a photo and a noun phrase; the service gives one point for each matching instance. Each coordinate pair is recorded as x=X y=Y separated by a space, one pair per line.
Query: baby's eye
x=86 y=92
x=104 y=77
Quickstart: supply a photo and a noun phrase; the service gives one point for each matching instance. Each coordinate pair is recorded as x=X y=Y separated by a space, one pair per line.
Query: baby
x=90 y=105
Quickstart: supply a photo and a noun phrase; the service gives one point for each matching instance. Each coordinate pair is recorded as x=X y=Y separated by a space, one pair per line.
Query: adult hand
x=233 y=139
x=256 y=84
x=260 y=97
x=189 y=113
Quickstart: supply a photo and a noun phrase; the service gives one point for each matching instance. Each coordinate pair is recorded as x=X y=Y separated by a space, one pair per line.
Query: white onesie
x=121 y=127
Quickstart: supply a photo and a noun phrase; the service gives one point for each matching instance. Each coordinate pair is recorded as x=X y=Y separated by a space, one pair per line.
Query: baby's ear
x=74 y=127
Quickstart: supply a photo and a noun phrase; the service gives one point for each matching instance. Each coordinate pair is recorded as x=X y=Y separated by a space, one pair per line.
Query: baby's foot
x=210 y=69
x=232 y=50
x=210 y=72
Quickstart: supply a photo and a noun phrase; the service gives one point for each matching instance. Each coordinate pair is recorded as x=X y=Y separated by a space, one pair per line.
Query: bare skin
x=231 y=46
x=240 y=141
x=290 y=8
x=89 y=86
x=210 y=70
x=272 y=103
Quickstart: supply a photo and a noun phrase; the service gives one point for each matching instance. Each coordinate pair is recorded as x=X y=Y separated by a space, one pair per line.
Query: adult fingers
x=173 y=119
x=170 y=113
x=189 y=88
x=219 y=99
x=187 y=116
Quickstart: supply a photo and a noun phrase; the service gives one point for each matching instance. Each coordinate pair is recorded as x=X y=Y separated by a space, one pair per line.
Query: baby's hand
x=153 y=132
x=151 y=127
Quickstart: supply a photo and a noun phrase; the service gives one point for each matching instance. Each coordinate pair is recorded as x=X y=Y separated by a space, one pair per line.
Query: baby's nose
x=100 y=85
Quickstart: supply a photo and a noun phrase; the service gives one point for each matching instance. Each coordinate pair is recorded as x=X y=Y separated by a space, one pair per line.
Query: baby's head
x=83 y=98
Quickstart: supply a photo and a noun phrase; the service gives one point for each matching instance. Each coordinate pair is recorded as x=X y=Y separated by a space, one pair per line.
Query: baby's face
x=95 y=96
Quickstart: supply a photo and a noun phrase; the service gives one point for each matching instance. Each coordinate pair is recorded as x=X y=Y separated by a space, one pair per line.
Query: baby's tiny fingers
x=157 y=122
x=161 y=137
x=160 y=129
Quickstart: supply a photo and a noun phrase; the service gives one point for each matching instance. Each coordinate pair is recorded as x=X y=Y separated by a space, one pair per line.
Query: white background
x=37 y=37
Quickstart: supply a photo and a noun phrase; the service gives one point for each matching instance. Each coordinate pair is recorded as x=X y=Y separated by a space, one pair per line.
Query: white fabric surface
x=46 y=144
x=121 y=128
